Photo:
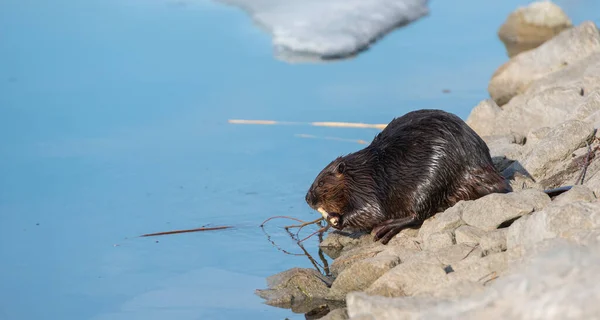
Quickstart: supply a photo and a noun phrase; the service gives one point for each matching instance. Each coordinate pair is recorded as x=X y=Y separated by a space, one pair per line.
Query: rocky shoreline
x=520 y=255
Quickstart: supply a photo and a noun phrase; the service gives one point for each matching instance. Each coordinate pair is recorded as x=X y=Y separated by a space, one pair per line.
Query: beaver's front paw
x=390 y=228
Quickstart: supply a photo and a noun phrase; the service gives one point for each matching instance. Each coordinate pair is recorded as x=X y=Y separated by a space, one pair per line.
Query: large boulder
x=560 y=282
x=291 y=287
x=556 y=148
x=568 y=47
x=497 y=209
x=559 y=220
x=528 y=27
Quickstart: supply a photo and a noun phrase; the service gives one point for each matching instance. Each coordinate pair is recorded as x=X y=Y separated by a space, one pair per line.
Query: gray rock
x=583 y=75
x=516 y=231
x=577 y=193
x=424 y=273
x=566 y=48
x=457 y=253
x=589 y=109
x=468 y=235
x=293 y=286
x=530 y=111
x=520 y=255
x=570 y=93
x=537 y=134
x=361 y=275
x=593 y=183
x=402 y=252
x=511 y=151
x=439 y=240
x=408 y=279
x=504 y=149
x=353 y=255
x=407 y=238
x=494 y=241
x=556 y=146
x=527 y=112
x=337 y=314
x=423 y=257
x=362 y=306
x=483 y=118
x=456 y=288
x=554 y=221
x=443 y=221
x=528 y=27
x=492 y=211
x=480 y=270
x=586 y=237
x=444 y=256
x=338 y=241
x=560 y=283
x=504 y=139
x=569 y=171
x=594 y=119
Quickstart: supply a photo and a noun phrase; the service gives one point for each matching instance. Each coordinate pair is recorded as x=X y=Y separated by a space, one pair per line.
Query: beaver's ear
x=341 y=168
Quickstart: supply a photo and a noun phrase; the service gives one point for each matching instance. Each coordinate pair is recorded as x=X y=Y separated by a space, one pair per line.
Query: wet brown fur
x=422 y=163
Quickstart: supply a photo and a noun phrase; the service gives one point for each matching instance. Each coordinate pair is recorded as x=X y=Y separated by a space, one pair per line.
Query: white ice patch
x=328 y=29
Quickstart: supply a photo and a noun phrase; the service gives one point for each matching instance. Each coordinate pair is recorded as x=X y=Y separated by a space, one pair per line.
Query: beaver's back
x=429 y=159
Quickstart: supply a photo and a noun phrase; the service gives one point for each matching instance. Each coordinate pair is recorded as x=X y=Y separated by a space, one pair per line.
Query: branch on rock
x=588 y=157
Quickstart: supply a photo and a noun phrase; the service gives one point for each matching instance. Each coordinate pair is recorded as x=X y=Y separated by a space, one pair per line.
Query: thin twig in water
x=281 y=217
x=312 y=260
x=323 y=229
x=325 y=263
x=322 y=256
x=184 y=231
x=325 y=268
x=317 y=222
x=302 y=225
x=277 y=247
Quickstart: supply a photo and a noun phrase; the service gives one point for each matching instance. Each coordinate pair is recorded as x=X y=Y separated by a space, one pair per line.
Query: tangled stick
x=323 y=269
x=326 y=270
x=314 y=262
x=299 y=226
x=323 y=229
x=278 y=247
x=302 y=225
x=280 y=217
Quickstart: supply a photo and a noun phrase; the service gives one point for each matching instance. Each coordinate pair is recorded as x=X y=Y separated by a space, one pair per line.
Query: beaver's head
x=329 y=193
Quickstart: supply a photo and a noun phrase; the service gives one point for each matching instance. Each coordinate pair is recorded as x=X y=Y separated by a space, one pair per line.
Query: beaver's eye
x=320 y=184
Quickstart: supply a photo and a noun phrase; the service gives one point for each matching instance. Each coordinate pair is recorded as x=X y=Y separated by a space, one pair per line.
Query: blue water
x=113 y=123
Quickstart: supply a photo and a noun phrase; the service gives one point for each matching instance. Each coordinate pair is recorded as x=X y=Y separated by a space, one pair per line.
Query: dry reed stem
x=314 y=124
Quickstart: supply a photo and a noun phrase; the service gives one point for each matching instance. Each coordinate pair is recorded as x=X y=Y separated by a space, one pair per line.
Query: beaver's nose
x=310 y=198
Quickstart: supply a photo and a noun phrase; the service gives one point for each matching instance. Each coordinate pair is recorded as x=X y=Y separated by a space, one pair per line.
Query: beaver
x=422 y=163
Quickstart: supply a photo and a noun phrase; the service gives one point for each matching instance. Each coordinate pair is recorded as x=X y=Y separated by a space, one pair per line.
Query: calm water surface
x=113 y=123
